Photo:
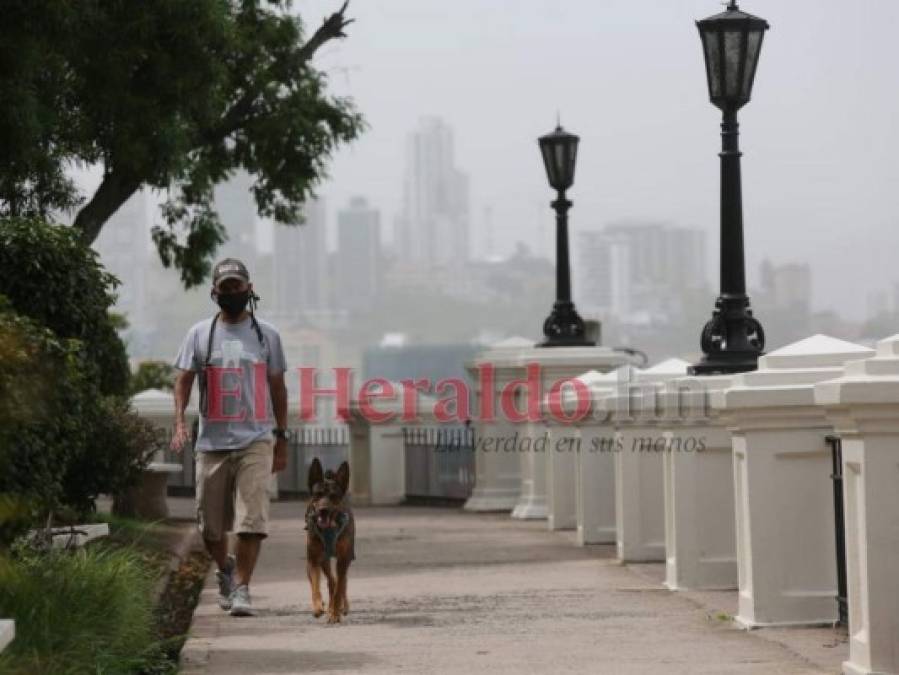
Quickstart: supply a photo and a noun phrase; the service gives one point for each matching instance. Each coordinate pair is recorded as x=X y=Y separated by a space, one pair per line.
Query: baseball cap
x=229 y=268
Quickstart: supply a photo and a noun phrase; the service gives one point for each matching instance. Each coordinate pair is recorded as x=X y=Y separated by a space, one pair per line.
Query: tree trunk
x=112 y=193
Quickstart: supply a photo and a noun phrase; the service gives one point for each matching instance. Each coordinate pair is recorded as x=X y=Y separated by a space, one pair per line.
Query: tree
x=152 y=375
x=48 y=275
x=67 y=433
x=172 y=95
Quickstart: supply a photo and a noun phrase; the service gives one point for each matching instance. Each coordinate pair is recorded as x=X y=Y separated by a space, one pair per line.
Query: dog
x=330 y=533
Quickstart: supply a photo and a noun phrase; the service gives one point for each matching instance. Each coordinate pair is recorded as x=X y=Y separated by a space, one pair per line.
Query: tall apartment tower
x=236 y=208
x=433 y=228
x=638 y=267
x=357 y=269
x=299 y=262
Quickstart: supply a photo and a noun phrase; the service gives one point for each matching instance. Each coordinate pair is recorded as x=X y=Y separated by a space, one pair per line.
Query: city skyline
x=649 y=136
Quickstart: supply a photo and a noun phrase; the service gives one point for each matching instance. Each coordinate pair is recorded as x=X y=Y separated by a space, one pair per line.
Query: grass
x=92 y=610
x=84 y=611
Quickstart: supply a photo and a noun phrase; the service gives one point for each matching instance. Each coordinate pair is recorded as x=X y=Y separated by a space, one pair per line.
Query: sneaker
x=240 y=602
x=225 y=578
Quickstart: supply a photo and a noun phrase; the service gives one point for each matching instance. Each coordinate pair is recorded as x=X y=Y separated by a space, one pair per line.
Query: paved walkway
x=437 y=590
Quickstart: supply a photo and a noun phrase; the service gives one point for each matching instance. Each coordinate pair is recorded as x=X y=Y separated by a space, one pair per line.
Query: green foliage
x=118 y=449
x=87 y=611
x=62 y=443
x=43 y=392
x=171 y=95
x=152 y=375
x=66 y=432
x=50 y=276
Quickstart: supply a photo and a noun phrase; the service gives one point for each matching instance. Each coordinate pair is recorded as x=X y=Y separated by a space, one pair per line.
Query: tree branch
x=331 y=29
x=114 y=191
x=117 y=188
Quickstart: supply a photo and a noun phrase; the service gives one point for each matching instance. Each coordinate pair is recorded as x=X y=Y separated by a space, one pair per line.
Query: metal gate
x=440 y=463
x=330 y=444
x=836 y=451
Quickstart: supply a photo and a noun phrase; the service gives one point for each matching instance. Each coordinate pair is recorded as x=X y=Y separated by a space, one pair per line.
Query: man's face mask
x=233 y=303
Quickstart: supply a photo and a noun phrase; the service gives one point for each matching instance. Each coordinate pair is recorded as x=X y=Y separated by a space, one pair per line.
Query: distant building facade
x=787 y=287
x=358 y=260
x=300 y=264
x=433 y=228
x=638 y=268
x=236 y=208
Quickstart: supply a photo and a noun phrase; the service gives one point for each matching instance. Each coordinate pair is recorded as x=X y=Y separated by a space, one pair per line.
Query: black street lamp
x=563 y=327
x=733 y=339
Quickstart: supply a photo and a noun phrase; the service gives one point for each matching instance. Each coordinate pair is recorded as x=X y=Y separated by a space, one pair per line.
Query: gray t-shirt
x=234 y=346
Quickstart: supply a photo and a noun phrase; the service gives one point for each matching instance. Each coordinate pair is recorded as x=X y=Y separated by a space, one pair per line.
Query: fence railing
x=440 y=462
x=329 y=444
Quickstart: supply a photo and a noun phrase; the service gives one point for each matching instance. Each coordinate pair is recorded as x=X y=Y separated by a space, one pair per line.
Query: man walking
x=240 y=364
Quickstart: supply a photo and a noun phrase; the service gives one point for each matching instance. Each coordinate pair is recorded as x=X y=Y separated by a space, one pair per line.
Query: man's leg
x=251 y=506
x=247 y=552
x=218 y=551
x=215 y=515
x=215 y=510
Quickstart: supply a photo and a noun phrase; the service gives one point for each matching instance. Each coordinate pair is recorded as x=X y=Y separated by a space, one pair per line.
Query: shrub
x=152 y=375
x=62 y=443
x=43 y=392
x=86 y=611
x=51 y=277
x=120 y=446
x=66 y=433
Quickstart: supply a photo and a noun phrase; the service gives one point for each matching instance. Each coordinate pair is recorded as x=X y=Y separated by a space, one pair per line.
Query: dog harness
x=330 y=535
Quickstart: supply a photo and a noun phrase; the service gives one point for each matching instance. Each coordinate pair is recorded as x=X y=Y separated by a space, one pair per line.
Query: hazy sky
x=820 y=136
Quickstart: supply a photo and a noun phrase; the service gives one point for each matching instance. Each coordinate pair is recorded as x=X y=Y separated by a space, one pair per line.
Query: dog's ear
x=343 y=476
x=315 y=474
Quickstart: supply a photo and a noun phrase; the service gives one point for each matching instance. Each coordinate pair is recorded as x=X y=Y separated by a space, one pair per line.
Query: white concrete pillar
x=863 y=406
x=640 y=448
x=561 y=474
x=557 y=467
x=783 y=493
x=700 y=543
x=377 y=453
x=497 y=472
x=360 y=460
x=531 y=502
x=594 y=490
x=7 y=632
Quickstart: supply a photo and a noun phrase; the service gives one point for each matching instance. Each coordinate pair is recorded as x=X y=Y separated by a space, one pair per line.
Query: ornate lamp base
x=565 y=328
x=732 y=340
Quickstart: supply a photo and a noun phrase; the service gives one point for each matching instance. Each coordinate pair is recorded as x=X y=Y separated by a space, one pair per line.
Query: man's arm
x=183 y=384
x=278 y=390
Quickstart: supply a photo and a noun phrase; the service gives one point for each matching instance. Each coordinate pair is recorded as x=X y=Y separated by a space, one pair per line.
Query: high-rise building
x=638 y=268
x=433 y=228
x=602 y=274
x=299 y=261
x=787 y=287
x=236 y=207
x=357 y=268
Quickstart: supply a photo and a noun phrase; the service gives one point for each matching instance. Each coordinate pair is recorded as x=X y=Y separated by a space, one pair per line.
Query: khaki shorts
x=232 y=490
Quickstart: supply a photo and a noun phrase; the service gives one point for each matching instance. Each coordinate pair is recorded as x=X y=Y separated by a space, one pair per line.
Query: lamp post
x=733 y=339
x=563 y=327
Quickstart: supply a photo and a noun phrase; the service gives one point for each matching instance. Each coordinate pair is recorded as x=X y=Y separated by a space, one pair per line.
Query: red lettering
x=309 y=391
x=217 y=394
x=531 y=387
x=459 y=401
x=385 y=390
